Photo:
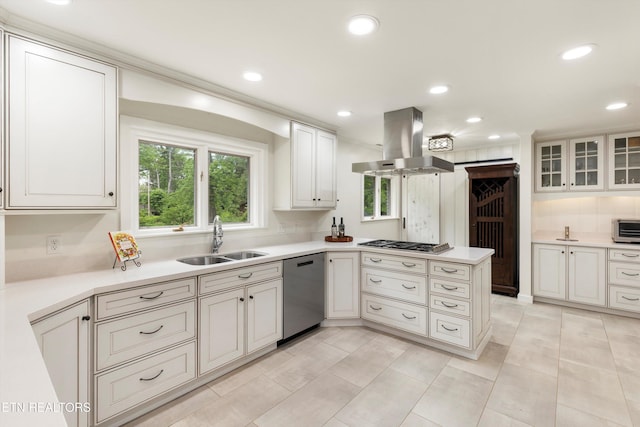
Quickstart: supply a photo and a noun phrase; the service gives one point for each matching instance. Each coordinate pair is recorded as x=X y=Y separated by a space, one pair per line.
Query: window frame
x=134 y=130
x=393 y=199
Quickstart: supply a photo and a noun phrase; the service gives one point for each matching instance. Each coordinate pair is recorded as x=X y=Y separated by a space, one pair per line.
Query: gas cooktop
x=408 y=246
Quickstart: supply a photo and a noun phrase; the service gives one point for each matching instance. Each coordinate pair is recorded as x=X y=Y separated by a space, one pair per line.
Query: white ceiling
x=501 y=58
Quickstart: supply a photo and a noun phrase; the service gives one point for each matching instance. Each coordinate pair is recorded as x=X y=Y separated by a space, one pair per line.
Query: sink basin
x=243 y=255
x=204 y=260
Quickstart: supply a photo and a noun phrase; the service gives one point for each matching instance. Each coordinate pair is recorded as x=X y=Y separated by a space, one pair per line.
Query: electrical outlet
x=54 y=246
x=281 y=227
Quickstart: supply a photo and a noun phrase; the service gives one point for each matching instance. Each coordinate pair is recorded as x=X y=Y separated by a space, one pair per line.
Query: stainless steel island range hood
x=402 y=148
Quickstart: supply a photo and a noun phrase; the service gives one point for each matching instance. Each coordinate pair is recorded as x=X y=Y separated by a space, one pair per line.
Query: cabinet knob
x=111 y=193
x=86 y=317
x=250 y=296
x=241 y=299
x=562 y=252
x=0 y=189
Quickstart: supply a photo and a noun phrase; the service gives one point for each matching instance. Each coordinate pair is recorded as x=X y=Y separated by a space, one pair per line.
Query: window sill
x=190 y=231
x=380 y=218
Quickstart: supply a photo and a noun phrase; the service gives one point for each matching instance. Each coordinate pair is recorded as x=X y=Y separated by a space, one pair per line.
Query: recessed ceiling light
x=577 y=52
x=252 y=76
x=474 y=119
x=344 y=113
x=437 y=90
x=617 y=105
x=361 y=25
x=494 y=136
x=59 y=2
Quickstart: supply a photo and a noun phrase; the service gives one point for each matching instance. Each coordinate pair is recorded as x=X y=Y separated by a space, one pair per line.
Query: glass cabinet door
x=585 y=163
x=550 y=166
x=624 y=161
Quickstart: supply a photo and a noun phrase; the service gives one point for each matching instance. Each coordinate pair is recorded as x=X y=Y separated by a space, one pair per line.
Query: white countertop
x=596 y=240
x=24 y=380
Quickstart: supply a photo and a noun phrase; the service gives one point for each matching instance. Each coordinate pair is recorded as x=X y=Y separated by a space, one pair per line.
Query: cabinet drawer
x=398 y=285
x=397 y=314
x=239 y=276
x=450 y=270
x=622 y=273
x=401 y=263
x=123 y=302
x=131 y=385
x=120 y=340
x=449 y=287
x=624 y=255
x=624 y=298
x=450 y=329
x=450 y=305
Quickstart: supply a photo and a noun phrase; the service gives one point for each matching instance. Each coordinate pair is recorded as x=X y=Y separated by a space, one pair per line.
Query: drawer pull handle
x=374 y=308
x=375 y=281
x=630 y=299
x=408 y=264
x=449 y=270
x=152 y=332
x=245 y=276
x=408 y=287
x=630 y=255
x=447 y=329
x=375 y=259
x=448 y=305
x=154 y=297
x=630 y=274
x=152 y=378
x=449 y=288
x=408 y=317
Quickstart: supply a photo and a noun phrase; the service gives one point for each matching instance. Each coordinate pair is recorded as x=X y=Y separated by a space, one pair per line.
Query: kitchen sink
x=204 y=260
x=243 y=255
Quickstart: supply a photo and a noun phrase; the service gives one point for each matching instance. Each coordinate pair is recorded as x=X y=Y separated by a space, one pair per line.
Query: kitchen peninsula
x=439 y=300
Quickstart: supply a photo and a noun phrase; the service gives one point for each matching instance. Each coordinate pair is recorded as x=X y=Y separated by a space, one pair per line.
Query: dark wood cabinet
x=493 y=221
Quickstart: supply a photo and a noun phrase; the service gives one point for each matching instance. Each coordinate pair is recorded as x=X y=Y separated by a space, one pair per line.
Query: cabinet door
x=221 y=332
x=549 y=271
x=343 y=292
x=624 y=161
x=325 y=170
x=587 y=275
x=64 y=342
x=264 y=314
x=303 y=160
x=550 y=166
x=586 y=159
x=61 y=130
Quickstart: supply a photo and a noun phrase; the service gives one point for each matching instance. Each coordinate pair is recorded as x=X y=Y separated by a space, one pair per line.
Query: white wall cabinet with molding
x=306 y=175
x=62 y=129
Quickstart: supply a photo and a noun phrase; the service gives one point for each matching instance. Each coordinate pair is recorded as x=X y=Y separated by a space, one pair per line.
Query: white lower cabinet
x=453 y=330
x=64 y=339
x=401 y=315
x=572 y=273
x=238 y=321
x=342 y=285
x=624 y=279
x=138 y=382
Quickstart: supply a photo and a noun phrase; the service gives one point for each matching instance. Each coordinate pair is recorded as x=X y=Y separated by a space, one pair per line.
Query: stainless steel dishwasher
x=303 y=293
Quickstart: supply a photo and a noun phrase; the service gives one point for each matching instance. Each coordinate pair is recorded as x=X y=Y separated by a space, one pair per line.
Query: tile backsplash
x=583 y=214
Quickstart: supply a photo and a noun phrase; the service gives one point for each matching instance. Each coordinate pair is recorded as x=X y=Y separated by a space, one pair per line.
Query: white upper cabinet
x=313 y=170
x=62 y=129
x=586 y=161
x=624 y=161
x=572 y=165
x=551 y=166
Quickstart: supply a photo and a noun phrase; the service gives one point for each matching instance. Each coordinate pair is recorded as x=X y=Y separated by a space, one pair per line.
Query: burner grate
x=410 y=246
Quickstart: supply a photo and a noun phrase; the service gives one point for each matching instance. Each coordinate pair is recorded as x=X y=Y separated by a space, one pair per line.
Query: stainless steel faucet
x=217 y=234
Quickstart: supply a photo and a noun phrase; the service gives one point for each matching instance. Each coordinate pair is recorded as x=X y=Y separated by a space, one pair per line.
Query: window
x=186 y=177
x=379 y=197
x=166 y=185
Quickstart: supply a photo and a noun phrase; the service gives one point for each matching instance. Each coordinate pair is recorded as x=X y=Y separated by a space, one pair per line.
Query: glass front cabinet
x=624 y=161
x=572 y=165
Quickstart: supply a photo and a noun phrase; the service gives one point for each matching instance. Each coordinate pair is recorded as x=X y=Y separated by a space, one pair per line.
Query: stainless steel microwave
x=625 y=230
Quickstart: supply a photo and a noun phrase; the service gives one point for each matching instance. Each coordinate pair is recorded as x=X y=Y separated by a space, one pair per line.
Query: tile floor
x=545 y=366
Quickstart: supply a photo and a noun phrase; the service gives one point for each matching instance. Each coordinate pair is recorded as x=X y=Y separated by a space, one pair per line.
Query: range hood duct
x=402 y=148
